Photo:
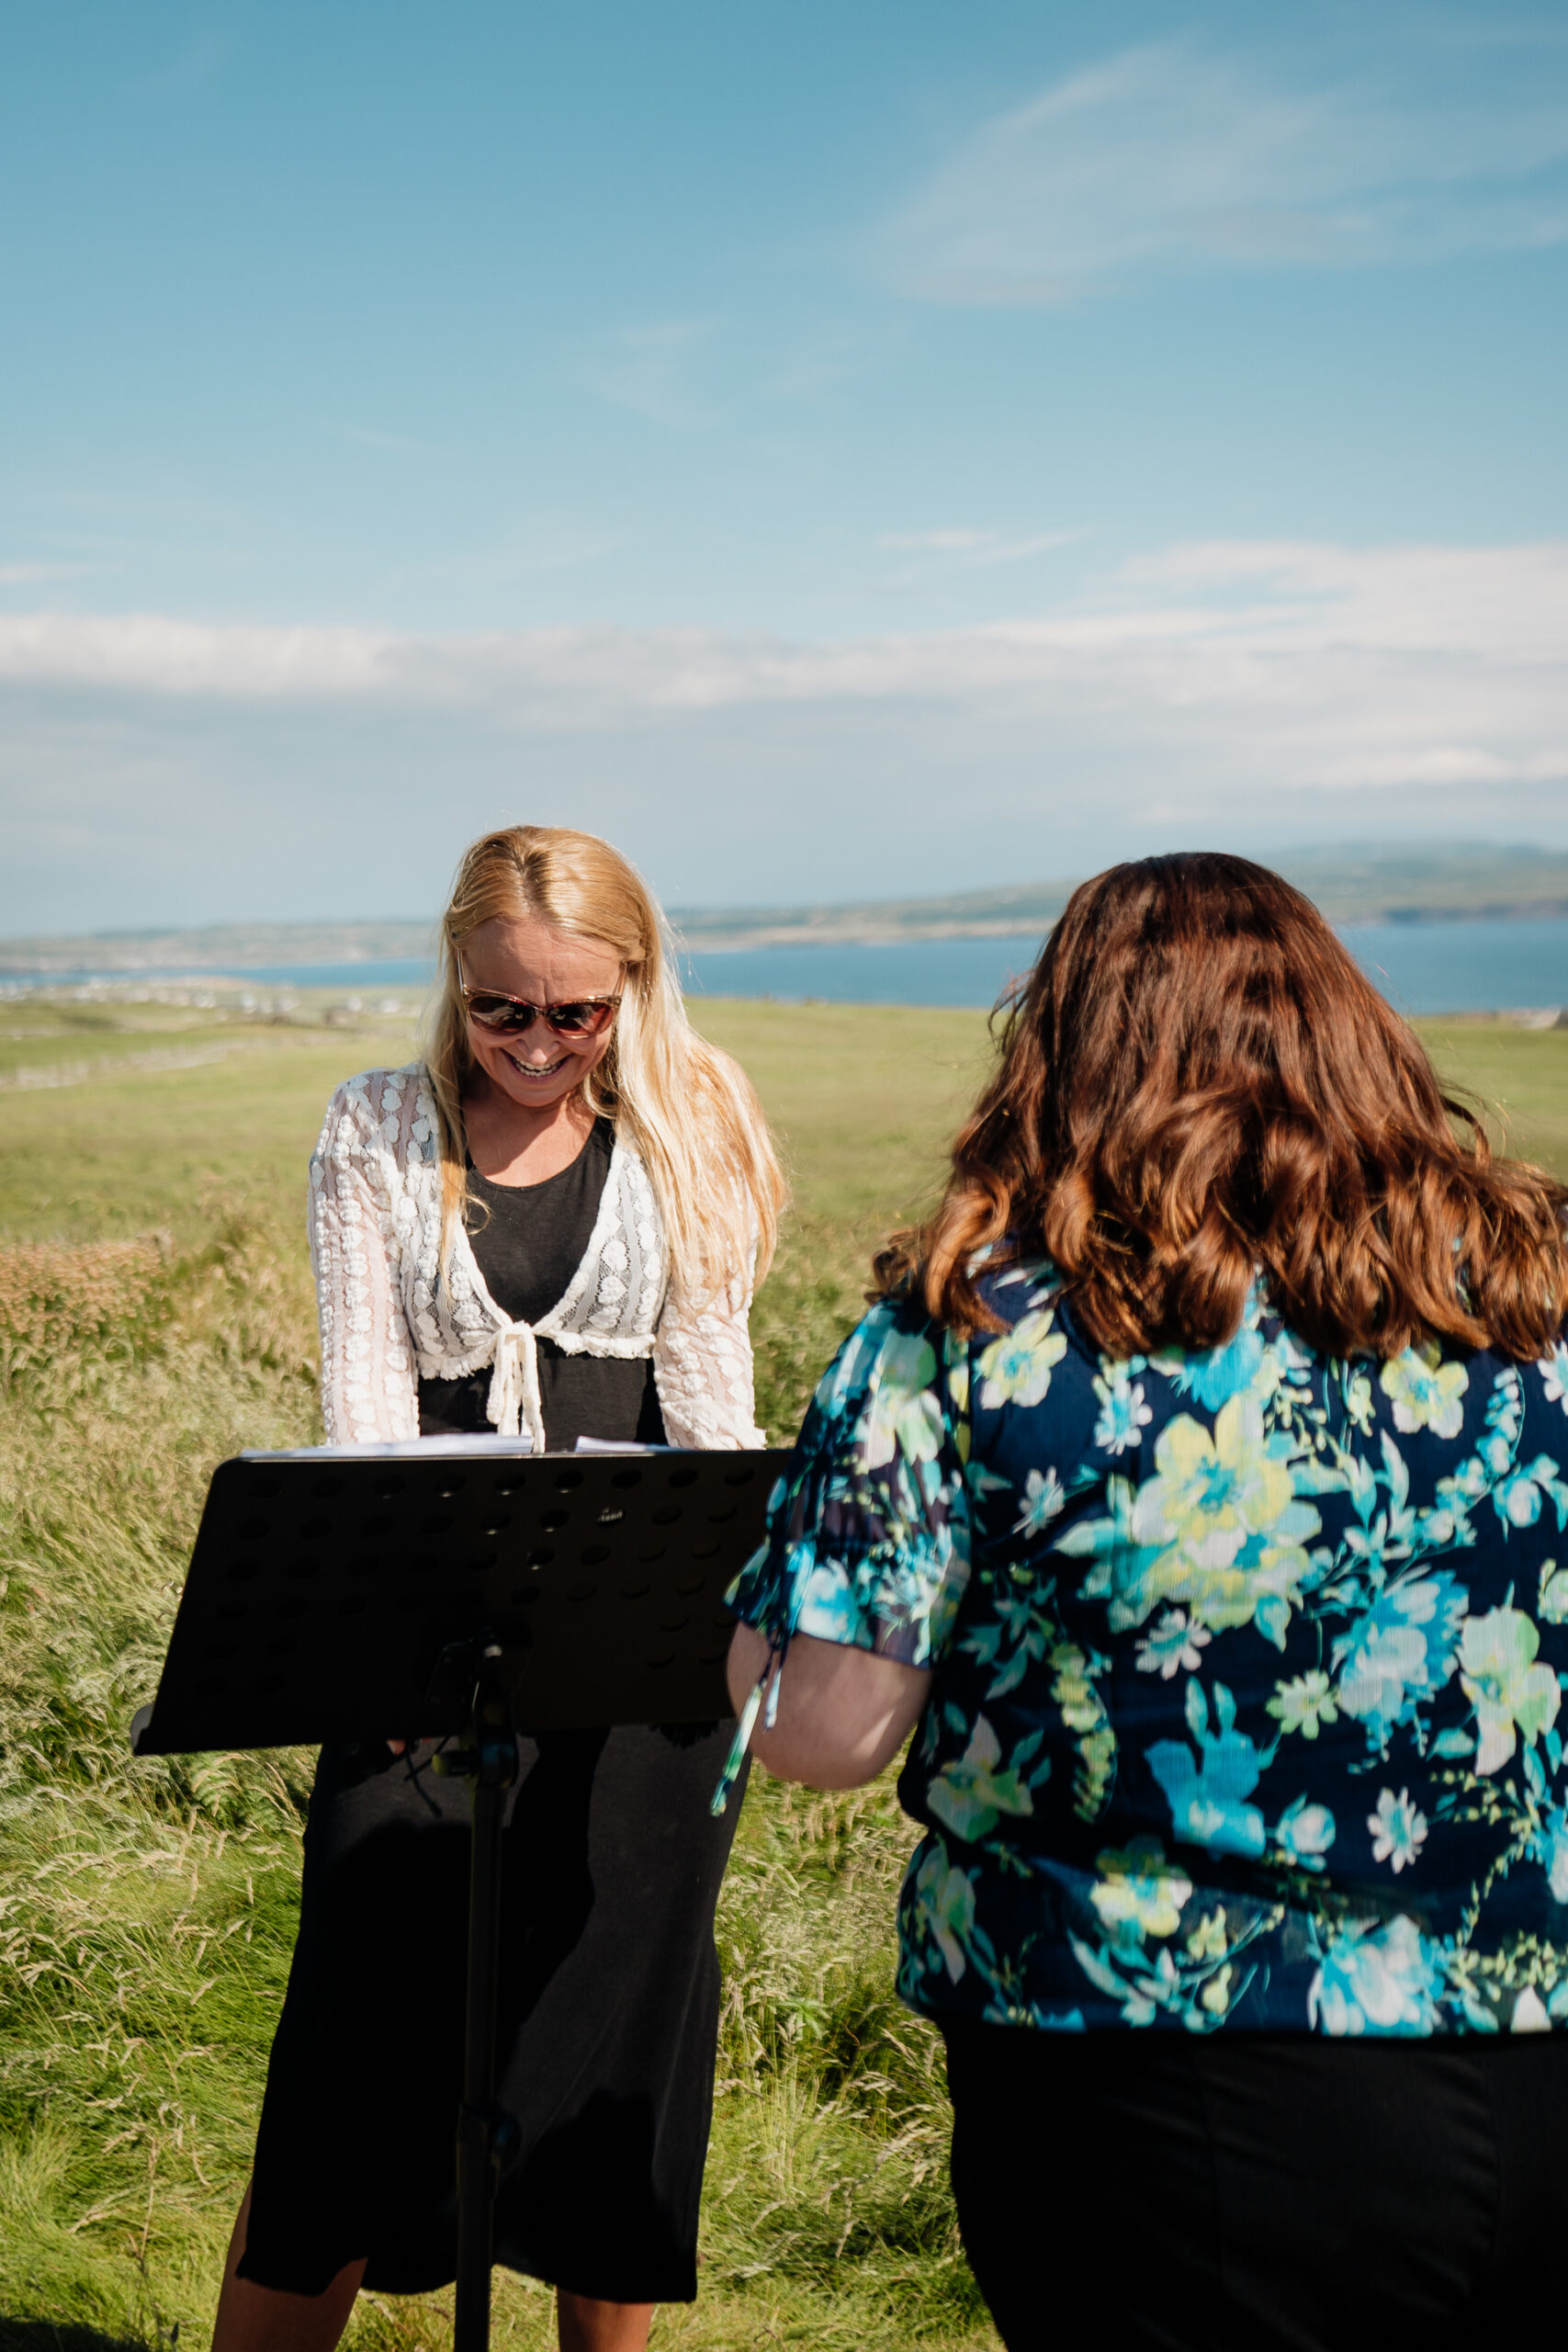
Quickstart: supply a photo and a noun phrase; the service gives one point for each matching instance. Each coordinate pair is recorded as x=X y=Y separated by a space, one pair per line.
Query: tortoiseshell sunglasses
x=582 y=1016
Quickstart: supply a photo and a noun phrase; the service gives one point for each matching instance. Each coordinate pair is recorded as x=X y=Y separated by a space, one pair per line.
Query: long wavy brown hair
x=1196 y=1081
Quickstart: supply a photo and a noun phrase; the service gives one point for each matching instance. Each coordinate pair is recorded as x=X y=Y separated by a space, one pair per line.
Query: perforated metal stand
x=552 y=1592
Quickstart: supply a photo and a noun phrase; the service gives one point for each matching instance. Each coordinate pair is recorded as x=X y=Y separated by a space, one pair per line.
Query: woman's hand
x=842 y=1714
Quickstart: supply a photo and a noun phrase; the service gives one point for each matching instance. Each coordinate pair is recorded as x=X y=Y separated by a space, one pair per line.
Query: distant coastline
x=1457 y=883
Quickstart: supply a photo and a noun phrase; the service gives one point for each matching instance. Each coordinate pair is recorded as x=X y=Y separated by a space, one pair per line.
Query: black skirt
x=608 y=2023
x=1252 y=2192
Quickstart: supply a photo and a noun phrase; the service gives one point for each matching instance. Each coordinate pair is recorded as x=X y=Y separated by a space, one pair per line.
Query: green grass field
x=155 y=1315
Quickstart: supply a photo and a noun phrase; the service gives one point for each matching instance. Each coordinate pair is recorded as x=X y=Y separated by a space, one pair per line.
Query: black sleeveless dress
x=610 y=1979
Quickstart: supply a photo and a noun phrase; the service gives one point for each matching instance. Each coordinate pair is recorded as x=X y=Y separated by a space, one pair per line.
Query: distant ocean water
x=1465 y=966
x=411 y=972
x=1423 y=968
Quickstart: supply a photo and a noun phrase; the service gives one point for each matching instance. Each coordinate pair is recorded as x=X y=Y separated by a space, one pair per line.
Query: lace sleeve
x=702 y=1364
x=368 y=1386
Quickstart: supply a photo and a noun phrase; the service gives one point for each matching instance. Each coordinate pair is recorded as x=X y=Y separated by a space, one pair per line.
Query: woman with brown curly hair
x=1196 y=1487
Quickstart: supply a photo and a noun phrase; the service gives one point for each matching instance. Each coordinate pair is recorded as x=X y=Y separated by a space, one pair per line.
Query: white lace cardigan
x=388 y=1316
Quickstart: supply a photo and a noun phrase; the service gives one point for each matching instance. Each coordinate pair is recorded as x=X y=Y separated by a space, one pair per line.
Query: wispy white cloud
x=36 y=575
x=654 y=371
x=152 y=768
x=1299 y=666
x=971 y=550
x=367 y=437
x=935 y=542
x=1169 y=156
x=190 y=67
x=151 y=654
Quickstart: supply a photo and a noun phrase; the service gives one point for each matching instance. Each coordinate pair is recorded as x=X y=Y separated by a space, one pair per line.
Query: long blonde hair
x=688 y=1110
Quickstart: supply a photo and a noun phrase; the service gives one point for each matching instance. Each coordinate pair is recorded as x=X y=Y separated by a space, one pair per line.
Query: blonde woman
x=552 y=1223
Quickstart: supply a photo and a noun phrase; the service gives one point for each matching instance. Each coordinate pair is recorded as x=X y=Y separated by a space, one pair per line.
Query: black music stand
x=346 y=1595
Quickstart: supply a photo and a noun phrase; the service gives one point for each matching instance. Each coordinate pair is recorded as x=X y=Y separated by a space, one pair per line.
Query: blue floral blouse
x=1246 y=1668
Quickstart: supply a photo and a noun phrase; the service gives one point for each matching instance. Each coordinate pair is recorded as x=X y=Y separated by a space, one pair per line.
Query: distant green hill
x=218 y=947
x=1368 y=884
x=1462 y=879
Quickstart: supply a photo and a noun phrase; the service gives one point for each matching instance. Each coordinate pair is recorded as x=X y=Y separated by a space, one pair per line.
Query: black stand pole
x=491 y=1764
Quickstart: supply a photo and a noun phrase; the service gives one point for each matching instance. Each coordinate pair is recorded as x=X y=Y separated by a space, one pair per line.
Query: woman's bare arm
x=842 y=1714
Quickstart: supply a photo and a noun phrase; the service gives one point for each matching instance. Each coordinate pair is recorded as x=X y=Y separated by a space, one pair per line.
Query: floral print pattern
x=1248 y=1668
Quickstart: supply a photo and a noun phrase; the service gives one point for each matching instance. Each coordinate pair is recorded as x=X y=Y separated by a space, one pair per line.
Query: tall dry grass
x=147 y=1909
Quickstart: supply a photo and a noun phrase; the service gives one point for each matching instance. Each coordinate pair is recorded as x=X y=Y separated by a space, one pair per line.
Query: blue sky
x=829 y=449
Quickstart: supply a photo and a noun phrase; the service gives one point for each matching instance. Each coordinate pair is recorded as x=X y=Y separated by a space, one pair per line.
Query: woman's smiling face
x=527 y=957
